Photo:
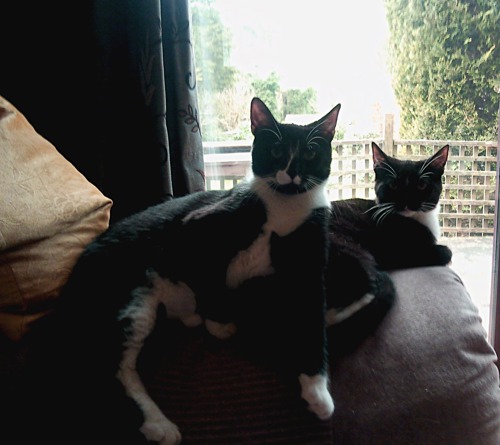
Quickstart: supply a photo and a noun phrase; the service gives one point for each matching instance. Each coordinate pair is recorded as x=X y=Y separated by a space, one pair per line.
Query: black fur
x=352 y=274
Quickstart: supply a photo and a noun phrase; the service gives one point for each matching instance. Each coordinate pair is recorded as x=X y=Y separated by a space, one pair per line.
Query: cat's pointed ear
x=379 y=156
x=326 y=125
x=260 y=116
x=439 y=159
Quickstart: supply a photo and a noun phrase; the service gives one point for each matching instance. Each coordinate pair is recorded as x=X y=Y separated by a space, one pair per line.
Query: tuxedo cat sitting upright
x=189 y=256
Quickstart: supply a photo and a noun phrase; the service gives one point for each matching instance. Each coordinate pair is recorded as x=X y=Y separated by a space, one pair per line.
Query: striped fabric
x=219 y=396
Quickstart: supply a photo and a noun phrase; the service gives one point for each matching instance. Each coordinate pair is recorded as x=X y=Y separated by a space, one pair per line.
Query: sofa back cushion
x=49 y=212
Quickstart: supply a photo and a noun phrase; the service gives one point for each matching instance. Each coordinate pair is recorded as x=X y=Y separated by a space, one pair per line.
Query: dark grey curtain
x=112 y=85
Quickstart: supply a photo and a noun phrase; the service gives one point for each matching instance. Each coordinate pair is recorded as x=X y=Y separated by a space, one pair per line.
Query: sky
x=336 y=47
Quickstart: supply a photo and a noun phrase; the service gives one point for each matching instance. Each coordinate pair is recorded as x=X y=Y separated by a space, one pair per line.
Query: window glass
x=301 y=59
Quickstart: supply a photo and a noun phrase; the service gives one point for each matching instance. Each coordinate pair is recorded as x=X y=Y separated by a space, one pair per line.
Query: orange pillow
x=49 y=212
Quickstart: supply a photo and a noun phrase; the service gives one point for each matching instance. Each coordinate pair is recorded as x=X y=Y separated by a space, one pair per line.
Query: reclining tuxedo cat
x=254 y=255
x=397 y=230
x=190 y=256
x=401 y=227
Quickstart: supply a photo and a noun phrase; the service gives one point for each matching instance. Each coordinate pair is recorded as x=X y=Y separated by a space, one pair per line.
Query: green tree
x=299 y=101
x=212 y=48
x=269 y=91
x=445 y=60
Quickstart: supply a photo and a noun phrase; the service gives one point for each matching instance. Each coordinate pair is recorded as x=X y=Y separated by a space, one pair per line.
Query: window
x=304 y=60
x=298 y=60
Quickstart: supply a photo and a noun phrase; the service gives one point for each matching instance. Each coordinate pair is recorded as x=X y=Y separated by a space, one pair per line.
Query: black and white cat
x=190 y=256
x=397 y=230
x=400 y=228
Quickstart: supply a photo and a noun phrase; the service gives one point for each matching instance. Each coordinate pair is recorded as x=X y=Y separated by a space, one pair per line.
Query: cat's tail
x=348 y=327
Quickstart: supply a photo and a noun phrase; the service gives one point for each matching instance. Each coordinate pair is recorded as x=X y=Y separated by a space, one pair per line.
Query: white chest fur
x=430 y=220
x=285 y=213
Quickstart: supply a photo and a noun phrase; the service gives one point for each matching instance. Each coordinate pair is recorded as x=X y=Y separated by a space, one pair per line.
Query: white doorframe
x=494 y=330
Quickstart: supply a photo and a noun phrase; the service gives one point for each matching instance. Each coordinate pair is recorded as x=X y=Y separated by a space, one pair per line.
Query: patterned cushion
x=48 y=213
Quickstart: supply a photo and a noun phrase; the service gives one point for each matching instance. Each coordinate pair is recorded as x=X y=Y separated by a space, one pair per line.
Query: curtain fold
x=112 y=85
x=182 y=120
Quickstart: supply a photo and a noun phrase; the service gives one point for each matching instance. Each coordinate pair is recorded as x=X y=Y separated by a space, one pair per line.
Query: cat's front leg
x=312 y=356
x=303 y=285
x=315 y=393
x=160 y=429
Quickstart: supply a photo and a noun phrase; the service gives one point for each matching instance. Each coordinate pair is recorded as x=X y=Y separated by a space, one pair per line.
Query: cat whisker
x=264 y=184
x=426 y=175
x=314 y=180
x=388 y=168
x=383 y=216
x=312 y=140
x=378 y=206
x=311 y=182
x=382 y=212
x=277 y=134
x=427 y=206
x=382 y=209
x=314 y=131
x=425 y=165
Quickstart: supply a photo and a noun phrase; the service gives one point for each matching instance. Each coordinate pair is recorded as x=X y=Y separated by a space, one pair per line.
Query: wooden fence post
x=389 y=147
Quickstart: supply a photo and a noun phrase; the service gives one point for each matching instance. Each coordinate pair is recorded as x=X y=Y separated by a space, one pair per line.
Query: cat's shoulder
x=240 y=198
x=351 y=213
x=352 y=206
x=181 y=211
x=190 y=206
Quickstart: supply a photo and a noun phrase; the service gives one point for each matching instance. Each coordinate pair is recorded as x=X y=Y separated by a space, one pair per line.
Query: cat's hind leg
x=141 y=315
x=337 y=315
x=222 y=331
x=178 y=298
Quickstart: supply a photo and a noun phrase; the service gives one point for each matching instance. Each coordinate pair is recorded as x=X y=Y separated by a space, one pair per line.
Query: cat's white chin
x=408 y=213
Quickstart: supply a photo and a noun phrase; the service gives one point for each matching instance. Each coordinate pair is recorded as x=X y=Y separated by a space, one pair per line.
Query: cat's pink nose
x=283 y=178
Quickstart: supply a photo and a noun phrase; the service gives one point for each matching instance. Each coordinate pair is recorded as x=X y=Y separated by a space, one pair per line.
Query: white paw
x=315 y=393
x=191 y=321
x=161 y=430
x=222 y=331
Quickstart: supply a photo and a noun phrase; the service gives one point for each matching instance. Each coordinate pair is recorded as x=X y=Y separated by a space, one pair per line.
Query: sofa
x=426 y=376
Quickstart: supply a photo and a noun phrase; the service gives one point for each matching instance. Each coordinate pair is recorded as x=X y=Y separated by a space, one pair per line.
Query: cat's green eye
x=393 y=186
x=276 y=152
x=309 y=155
x=422 y=185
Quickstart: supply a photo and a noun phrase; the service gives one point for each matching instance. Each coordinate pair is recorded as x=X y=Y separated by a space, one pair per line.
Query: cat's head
x=291 y=158
x=406 y=186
